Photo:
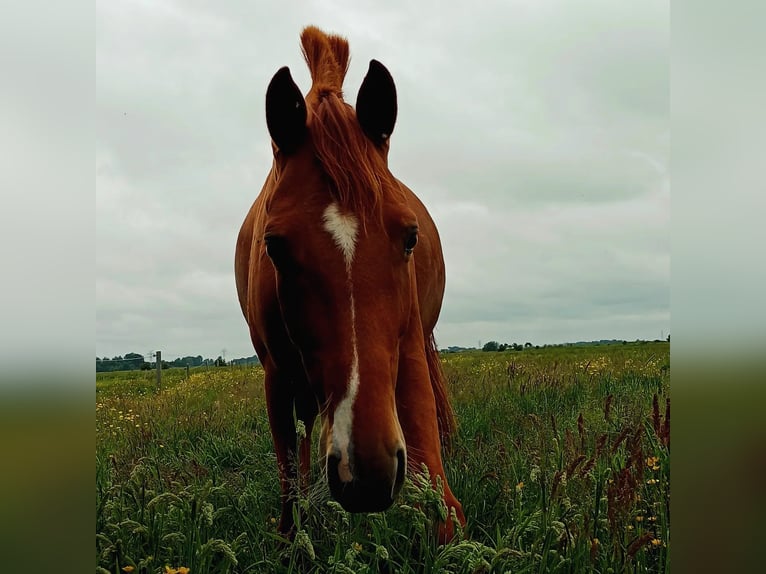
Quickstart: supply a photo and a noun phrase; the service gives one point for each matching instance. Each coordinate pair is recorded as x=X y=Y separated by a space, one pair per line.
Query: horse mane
x=357 y=172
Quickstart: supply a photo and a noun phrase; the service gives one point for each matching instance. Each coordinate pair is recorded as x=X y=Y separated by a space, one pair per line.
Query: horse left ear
x=376 y=103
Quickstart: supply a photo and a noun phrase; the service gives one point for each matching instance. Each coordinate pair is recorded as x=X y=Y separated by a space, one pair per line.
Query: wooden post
x=159 y=370
x=187 y=372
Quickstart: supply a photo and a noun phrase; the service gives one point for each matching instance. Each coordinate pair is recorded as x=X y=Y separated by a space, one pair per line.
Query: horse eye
x=410 y=242
x=276 y=247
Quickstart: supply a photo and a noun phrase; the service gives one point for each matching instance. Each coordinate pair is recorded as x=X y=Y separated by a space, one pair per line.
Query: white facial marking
x=344 y=415
x=344 y=230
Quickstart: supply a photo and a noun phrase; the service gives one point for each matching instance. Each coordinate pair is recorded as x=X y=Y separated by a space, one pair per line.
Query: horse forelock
x=327 y=57
x=356 y=171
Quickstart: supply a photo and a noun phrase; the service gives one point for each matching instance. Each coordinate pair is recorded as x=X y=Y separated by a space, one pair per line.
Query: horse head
x=341 y=240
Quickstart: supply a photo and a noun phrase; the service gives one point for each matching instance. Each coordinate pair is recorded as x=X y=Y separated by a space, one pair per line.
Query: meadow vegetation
x=561 y=461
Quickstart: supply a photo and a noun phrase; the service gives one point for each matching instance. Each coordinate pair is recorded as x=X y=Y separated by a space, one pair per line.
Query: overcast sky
x=536 y=132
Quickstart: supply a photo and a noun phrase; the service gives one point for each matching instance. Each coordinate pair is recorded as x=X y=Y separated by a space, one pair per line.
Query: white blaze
x=341 y=429
x=344 y=229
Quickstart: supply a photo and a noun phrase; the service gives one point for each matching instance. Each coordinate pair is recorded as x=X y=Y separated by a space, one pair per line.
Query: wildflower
x=630 y=527
x=300 y=429
x=652 y=461
x=128 y=569
x=357 y=546
x=207 y=513
x=656 y=542
x=169 y=570
x=183 y=570
x=652 y=481
x=639 y=518
x=652 y=519
x=303 y=542
x=520 y=486
x=273 y=520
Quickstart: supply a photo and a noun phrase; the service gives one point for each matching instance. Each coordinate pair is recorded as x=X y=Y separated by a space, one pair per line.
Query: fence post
x=159 y=370
x=187 y=371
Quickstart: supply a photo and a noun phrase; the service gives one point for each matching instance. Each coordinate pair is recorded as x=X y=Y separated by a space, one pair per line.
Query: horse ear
x=376 y=103
x=285 y=112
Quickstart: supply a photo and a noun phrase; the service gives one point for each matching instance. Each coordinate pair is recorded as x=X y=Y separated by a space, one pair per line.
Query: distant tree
x=220 y=362
x=132 y=361
x=491 y=346
x=527 y=345
x=668 y=338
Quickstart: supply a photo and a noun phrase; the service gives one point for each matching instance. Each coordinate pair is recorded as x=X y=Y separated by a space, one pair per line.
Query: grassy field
x=561 y=461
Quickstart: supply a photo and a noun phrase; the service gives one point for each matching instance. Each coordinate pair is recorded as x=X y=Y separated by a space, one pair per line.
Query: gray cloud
x=536 y=133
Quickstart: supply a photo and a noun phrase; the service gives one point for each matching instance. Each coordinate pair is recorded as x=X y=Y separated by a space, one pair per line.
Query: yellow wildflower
x=128 y=569
x=639 y=518
x=183 y=570
x=652 y=461
x=652 y=481
x=357 y=547
x=520 y=486
x=169 y=570
x=656 y=542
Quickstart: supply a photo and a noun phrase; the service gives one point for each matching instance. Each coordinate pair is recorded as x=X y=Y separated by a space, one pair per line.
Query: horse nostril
x=332 y=467
x=401 y=469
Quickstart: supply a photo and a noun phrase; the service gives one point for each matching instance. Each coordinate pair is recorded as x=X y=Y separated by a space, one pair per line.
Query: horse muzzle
x=366 y=487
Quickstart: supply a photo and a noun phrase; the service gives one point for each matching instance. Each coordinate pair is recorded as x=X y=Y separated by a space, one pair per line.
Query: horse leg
x=280 y=402
x=416 y=409
x=306 y=410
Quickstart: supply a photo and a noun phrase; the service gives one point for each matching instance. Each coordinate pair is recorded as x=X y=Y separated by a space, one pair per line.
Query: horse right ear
x=285 y=112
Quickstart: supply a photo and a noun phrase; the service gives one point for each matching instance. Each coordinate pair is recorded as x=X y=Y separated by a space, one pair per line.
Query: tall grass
x=561 y=461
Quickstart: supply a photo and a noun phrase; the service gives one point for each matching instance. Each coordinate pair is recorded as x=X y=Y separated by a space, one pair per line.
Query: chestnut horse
x=340 y=276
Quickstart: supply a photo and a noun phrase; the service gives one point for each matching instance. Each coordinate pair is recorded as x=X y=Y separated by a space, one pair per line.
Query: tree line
x=137 y=362
x=492 y=346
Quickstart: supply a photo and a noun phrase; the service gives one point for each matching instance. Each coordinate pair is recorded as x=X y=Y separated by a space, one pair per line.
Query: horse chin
x=358 y=497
